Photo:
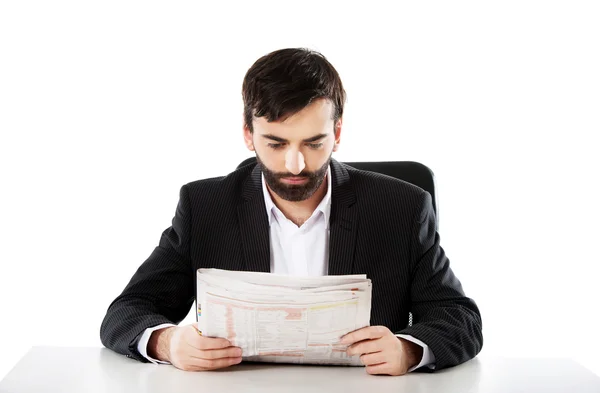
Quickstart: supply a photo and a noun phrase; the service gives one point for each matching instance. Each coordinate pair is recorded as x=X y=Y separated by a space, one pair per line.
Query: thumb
x=195 y=327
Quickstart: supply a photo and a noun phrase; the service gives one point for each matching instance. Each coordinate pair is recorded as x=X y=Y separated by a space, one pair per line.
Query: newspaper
x=283 y=319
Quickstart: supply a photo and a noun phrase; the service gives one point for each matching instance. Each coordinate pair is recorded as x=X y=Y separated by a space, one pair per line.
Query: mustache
x=309 y=175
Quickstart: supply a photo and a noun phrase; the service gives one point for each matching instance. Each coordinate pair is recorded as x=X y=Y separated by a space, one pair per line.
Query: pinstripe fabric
x=380 y=226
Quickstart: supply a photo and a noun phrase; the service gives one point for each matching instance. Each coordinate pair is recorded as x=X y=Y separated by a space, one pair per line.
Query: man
x=300 y=212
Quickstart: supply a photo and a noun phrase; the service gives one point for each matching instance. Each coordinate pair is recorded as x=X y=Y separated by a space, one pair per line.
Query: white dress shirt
x=298 y=251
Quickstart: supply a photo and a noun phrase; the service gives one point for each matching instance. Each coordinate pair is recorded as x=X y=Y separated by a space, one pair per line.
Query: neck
x=298 y=212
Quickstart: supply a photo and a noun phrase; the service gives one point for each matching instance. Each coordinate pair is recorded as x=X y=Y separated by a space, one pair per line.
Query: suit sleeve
x=443 y=317
x=161 y=290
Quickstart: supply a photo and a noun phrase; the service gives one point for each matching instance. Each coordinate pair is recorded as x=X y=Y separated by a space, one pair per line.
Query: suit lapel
x=343 y=222
x=254 y=224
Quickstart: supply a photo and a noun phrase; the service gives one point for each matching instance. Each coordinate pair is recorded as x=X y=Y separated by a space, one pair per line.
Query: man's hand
x=381 y=351
x=186 y=349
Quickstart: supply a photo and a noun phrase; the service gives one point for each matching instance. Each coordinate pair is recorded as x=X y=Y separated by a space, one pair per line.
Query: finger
x=195 y=338
x=202 y=342
x=230 y=351
x=370 y=359
x=366 y=333
x=194 y=327
x=367 y=346
x=382 y=368
x=214 y=364
x=210 y=354
x=194 y=364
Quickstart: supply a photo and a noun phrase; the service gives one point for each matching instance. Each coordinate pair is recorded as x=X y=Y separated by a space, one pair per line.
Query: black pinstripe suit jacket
x=380 y=226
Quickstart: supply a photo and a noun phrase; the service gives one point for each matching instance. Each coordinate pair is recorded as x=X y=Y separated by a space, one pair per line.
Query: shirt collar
x=324 y=206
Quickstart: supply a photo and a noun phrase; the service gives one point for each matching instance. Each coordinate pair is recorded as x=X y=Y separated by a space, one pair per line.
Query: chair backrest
x=409 y=171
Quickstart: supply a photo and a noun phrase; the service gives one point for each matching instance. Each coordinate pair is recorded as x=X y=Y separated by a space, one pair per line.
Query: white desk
x=58 y=369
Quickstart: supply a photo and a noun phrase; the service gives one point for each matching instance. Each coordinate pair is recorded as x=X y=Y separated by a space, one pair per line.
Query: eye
x=275 y=146
x=315 y=145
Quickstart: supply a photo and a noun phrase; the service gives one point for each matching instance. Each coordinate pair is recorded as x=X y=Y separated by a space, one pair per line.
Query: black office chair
x=409 y=171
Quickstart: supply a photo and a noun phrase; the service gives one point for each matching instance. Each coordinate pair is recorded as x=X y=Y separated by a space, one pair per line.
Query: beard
x=294 y=192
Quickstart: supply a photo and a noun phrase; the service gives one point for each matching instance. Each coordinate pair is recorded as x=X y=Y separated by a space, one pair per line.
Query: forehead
x=313 y=119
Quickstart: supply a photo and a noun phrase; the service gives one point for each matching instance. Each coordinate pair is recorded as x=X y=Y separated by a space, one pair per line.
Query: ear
x=248 y=138
x=338 y=133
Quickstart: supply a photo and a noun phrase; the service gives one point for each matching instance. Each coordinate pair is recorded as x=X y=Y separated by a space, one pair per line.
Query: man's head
x=293 y=106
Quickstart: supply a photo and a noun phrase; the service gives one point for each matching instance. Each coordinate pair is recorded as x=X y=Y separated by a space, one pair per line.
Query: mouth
x=294 y=180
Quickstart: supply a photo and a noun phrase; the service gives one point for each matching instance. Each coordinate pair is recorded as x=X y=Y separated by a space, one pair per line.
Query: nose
x=294 y=161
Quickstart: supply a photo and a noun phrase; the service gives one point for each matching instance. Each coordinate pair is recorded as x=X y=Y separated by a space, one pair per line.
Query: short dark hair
x=285 y=81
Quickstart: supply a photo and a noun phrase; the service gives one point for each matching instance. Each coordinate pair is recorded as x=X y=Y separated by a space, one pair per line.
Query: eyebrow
x=283 y=140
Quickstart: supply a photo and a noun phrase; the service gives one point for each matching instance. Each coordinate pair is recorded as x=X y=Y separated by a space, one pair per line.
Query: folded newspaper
x=283 y=319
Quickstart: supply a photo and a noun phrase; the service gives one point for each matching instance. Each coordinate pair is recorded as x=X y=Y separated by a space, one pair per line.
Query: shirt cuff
x=428 y=358
x=142 y=346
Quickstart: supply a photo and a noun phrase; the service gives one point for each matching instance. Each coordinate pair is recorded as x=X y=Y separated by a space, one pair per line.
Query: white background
x=107 y=108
